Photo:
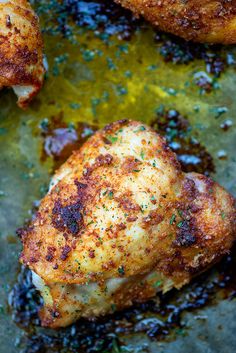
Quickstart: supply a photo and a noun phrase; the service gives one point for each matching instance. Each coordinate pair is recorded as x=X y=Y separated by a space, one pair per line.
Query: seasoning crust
x=21 y=50
x=211 y=21
x=119 y=218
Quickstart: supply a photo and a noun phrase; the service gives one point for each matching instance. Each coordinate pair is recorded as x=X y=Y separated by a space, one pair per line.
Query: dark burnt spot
x=27 y=56
x=192 y=156
x=8 y=21
x=33 y=259
x=185 y=236
x=16 y=30
x=178 y=51
x=121 y=226
x=130 y=165
x=103 y=160
x=100 y=161
x=55 y=314
x=189 y=188
x=154 y=218
x=127 y=204
x=50 y=253
x=113 y=127
x=65 y=252
x=81 y=191
x=21 y=232
x=80 y=186
x=68 y=218
x=92 y=254
x=131 y=219
x=61 y=139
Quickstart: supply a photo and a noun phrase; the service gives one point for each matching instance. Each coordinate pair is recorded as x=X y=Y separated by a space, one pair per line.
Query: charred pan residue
x=178 y=51
x=68 y=218
x=25 y=301
x=178 y=132
x=185 y=235
x=103 y=17
x=162 y=320
x=60 y=138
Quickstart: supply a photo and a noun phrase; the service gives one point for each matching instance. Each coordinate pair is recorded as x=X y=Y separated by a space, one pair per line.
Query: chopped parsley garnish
x=141 y=128
x=223 y=215
x=121 y=270
x=157 y=284
x=180 y=213
x=91 y=222
x=180 y=224
x=172 y=219
x=112 y=139
x=110 y=194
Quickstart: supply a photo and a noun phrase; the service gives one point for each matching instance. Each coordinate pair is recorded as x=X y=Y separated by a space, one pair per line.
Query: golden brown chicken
x=211 y=21
x=21 y=56
x=121 y=221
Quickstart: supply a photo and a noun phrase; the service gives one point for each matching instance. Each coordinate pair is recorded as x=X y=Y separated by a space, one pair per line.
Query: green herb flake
x=157 y=284
x=110 y=194
x=180 y=224
x=141 y=128
x=75 y=106
x=223 y=215
x=91 y=222
x=121 y=270
x=172 y=219
x=113 y=307
x=142 y=154
x=180 y=213
x=112 y=139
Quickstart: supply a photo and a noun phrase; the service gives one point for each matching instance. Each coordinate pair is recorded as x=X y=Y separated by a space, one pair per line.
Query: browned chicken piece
x=209 y=21
x=121 y=221
x=21 y=55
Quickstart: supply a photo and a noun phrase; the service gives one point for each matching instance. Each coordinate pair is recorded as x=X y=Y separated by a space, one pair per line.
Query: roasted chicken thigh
x=21 y=55
x=121 y=221
x=211 y=21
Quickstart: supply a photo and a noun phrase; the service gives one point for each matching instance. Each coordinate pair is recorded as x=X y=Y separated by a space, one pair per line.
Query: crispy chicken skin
x=121 y=221
x=21 y=55
x=211 y=21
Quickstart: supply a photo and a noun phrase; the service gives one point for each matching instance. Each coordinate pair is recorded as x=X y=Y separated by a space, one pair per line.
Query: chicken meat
x=120 y=222
x=211 y=21
x=21 y=53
